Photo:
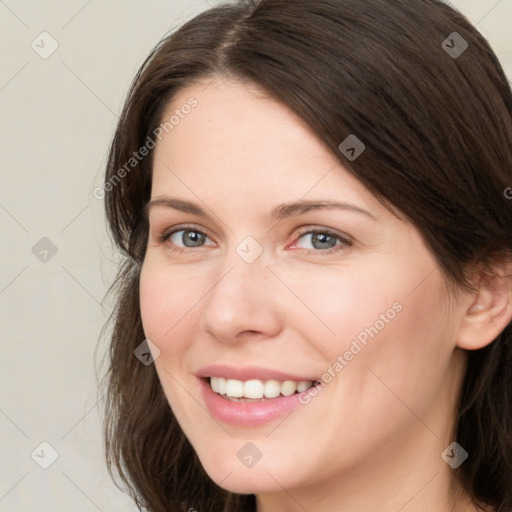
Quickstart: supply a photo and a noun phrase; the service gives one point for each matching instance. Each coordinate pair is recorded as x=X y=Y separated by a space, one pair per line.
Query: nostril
x=248 y=333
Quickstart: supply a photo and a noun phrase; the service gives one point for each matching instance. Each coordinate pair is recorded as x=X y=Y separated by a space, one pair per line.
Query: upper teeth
x=257 y=388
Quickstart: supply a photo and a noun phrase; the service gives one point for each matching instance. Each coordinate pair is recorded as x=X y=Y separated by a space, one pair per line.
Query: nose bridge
x=239 y=299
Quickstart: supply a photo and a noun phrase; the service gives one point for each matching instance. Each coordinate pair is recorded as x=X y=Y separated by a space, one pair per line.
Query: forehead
x=240 y=143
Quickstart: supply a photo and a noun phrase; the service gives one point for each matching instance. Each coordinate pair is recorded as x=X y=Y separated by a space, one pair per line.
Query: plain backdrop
x=66 y=67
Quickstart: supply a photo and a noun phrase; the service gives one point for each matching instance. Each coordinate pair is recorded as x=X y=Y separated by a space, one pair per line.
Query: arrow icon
x=454 y=45
x=44 y=250
x=44 y=455
x=352 y=147
x=454 y=455
x=249 y=249
x=147 y=352
x=249 y=455
x=44 y=45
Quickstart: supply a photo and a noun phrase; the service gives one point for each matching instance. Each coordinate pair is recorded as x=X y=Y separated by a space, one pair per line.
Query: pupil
x=323 y=239
x=193 y=237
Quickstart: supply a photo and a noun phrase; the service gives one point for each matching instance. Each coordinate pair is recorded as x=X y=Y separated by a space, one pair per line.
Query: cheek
x=331 y=307
x=380 y=324
x=167 y=299
x=404 y=364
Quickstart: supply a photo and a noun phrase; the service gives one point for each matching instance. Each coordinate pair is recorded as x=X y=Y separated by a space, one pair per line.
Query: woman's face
x=239 y=285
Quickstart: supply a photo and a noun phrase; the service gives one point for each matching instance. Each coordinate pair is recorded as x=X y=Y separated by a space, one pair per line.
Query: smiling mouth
x=256 y=390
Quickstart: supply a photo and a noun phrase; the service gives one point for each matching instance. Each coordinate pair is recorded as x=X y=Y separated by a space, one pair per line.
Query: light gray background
x=57 y=117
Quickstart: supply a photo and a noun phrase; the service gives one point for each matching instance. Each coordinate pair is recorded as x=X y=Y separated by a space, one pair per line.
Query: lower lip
x=247 y=414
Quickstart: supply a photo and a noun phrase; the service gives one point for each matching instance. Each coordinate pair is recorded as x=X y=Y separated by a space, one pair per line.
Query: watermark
x=44 y=250
x=454 y=45
x=147 y=352
x=508 y=192
x=352 y=147
x=44 y=45
x=356 y=346
x=454 y=455
x=249 y=455
x=249 y=249
x=44 y=455
x=143 y=151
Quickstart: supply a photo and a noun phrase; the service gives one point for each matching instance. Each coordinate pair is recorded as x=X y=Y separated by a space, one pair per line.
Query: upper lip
x=245 y=373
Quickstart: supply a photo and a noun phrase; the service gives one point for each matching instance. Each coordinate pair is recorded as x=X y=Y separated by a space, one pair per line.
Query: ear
x=490 y=309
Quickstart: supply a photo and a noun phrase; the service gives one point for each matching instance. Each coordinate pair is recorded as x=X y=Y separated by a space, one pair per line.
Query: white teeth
x=257 y=389
x=288 y=387
x=303 y=385
x=234 y=388
x=272 y=389
x=253 y=389
x=218 y=385
x=221 y=386
x=214 y=383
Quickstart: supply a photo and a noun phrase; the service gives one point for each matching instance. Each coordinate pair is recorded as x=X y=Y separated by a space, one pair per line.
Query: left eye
x=324 y=240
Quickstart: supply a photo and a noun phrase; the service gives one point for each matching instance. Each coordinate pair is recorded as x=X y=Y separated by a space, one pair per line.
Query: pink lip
x=248 y=373
x=247 y=414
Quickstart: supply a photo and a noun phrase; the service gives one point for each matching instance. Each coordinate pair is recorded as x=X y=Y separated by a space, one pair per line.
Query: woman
x=311 y=199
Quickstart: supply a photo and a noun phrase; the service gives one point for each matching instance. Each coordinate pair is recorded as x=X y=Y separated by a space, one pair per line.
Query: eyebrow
x=282 y=211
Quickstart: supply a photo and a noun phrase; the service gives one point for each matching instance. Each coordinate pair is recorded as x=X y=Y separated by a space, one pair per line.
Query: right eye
x=184 y=238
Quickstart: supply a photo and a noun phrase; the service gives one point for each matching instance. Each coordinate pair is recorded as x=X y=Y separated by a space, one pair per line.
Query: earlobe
x=489 y=312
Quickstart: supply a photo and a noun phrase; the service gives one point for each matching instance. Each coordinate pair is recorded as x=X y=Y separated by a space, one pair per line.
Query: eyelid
x=322 y=229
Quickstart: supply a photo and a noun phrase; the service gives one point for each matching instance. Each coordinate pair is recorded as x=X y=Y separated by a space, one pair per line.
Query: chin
x=247 y=481
x=226 y=469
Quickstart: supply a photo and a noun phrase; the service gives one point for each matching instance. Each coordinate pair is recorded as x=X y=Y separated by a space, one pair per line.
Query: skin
x=372 y=438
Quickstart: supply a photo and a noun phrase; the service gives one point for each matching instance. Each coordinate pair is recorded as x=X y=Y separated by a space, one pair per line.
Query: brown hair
x=437 y=130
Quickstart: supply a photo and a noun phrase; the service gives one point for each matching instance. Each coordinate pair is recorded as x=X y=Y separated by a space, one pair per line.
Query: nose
x=243 y=303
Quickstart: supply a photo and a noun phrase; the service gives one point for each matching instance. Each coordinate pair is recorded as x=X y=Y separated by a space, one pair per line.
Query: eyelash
x=345 y=242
